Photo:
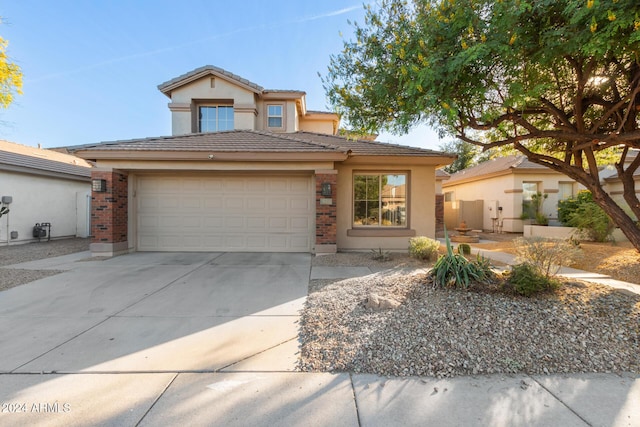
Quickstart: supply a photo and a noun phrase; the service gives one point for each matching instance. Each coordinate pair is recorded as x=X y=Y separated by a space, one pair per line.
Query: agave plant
x=454 y=270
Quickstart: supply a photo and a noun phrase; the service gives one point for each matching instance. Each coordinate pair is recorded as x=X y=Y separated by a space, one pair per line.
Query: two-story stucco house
x=251 y=169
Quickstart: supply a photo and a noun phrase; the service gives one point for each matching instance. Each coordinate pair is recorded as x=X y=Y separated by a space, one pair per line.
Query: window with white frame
x=380 y=200
x=274 y=116
x=215 y=118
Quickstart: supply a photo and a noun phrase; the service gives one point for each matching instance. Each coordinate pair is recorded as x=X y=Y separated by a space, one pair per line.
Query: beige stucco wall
x=507 y=191
x=38 y=199
x=421 y=207
x=317 y=126
x=243 y=101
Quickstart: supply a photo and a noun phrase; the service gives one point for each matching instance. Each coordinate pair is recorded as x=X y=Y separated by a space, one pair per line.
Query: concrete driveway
x=211 y=339
x=102 y=342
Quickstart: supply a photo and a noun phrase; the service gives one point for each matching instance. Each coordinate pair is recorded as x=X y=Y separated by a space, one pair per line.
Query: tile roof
x=369 y=148
x=260 y=141
x=22 y=158
x=490 y=167
x=212 y=69
x=227 y=141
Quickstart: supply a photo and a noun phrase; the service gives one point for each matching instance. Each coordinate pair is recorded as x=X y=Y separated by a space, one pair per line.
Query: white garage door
x=225 y=213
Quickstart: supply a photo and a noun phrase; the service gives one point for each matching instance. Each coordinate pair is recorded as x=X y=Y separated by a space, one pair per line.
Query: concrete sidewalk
x=211 y=339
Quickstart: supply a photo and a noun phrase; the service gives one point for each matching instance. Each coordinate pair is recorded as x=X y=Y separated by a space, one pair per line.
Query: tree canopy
x=558 y=80
x=10 y=76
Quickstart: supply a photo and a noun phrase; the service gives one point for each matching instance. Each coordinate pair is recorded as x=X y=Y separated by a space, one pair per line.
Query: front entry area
x=203 y=213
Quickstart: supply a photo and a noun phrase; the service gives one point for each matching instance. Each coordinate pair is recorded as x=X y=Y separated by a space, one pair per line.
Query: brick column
x=110 y=214
x=326 y=223
x=439 y=212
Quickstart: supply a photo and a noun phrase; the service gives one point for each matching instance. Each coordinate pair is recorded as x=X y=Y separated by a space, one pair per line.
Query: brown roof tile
x=211 y=69
x=369 y=148
x=493 y=166
x=259 y=141
x=22 y=158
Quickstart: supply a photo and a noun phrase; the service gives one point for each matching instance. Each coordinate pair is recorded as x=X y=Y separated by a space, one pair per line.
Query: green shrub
x=526 y=280
x=422 y=247
x=584 y=214
x=454 y=270
x=541 y=219
x=464 y=249
x=546 y=255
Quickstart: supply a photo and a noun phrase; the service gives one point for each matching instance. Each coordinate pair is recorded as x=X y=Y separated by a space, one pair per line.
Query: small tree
x=10 y=76
x=557 y=80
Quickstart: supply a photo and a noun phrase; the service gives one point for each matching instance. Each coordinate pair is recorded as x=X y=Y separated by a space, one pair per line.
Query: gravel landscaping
x=16 y=254
x=582 y=327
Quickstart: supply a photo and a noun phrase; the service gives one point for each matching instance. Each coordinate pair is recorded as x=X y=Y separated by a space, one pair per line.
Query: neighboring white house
x=43 y=186
x=490 y=196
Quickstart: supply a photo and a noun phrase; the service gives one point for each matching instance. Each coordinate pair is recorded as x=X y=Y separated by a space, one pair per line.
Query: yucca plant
x=454 y=270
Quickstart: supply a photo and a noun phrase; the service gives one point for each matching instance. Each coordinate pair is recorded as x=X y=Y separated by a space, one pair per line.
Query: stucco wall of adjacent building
x=420 y=207
x=506 y=191
x=36 y=199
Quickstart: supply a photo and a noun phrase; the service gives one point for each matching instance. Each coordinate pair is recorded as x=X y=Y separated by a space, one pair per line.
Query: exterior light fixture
x=325 y=190
x=99 y=185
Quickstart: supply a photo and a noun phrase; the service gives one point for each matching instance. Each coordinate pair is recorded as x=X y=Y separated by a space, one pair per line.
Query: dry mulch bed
x=582 y=327
x=618 y=260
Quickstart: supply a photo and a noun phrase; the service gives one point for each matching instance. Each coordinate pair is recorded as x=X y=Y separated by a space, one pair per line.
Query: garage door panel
x=172 y=221
x=168 y=202
x=234 y=185
x=192 y=185
x=234 y=204
x=256 y=223
x=212 y=203
x=300 y=186
x=278 y=223
x=278 y=242
x=300 y=203
x=299 y=223
x=234 y=223
x=299 y=242
x=209 y=213
x=148 y=202
x=257 y=203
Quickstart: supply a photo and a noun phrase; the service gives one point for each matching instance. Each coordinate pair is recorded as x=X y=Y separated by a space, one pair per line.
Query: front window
x=380 y=200
x=215 y=118
x=274 y=116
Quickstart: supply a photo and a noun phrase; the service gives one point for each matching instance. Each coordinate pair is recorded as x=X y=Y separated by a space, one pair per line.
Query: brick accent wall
x=326 y=225
x=110 y=210
x=439 y=212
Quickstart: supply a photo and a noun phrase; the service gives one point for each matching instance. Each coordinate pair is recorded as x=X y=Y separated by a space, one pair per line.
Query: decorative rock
x=376 y=302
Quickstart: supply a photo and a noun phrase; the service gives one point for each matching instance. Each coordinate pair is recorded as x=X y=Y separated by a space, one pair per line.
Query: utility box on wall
x=493 y=209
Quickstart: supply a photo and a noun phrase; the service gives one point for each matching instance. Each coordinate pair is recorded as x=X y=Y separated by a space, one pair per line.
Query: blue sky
x=91 y=67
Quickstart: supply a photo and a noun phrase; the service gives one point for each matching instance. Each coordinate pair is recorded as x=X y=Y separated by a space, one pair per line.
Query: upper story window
x=215 y=118
x=274 y=116
x=380 y=200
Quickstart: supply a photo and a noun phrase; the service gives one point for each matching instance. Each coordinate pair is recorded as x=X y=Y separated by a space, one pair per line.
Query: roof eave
x=226 y=156
x=408 y=159
x=42 y=172
x=166 y=88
